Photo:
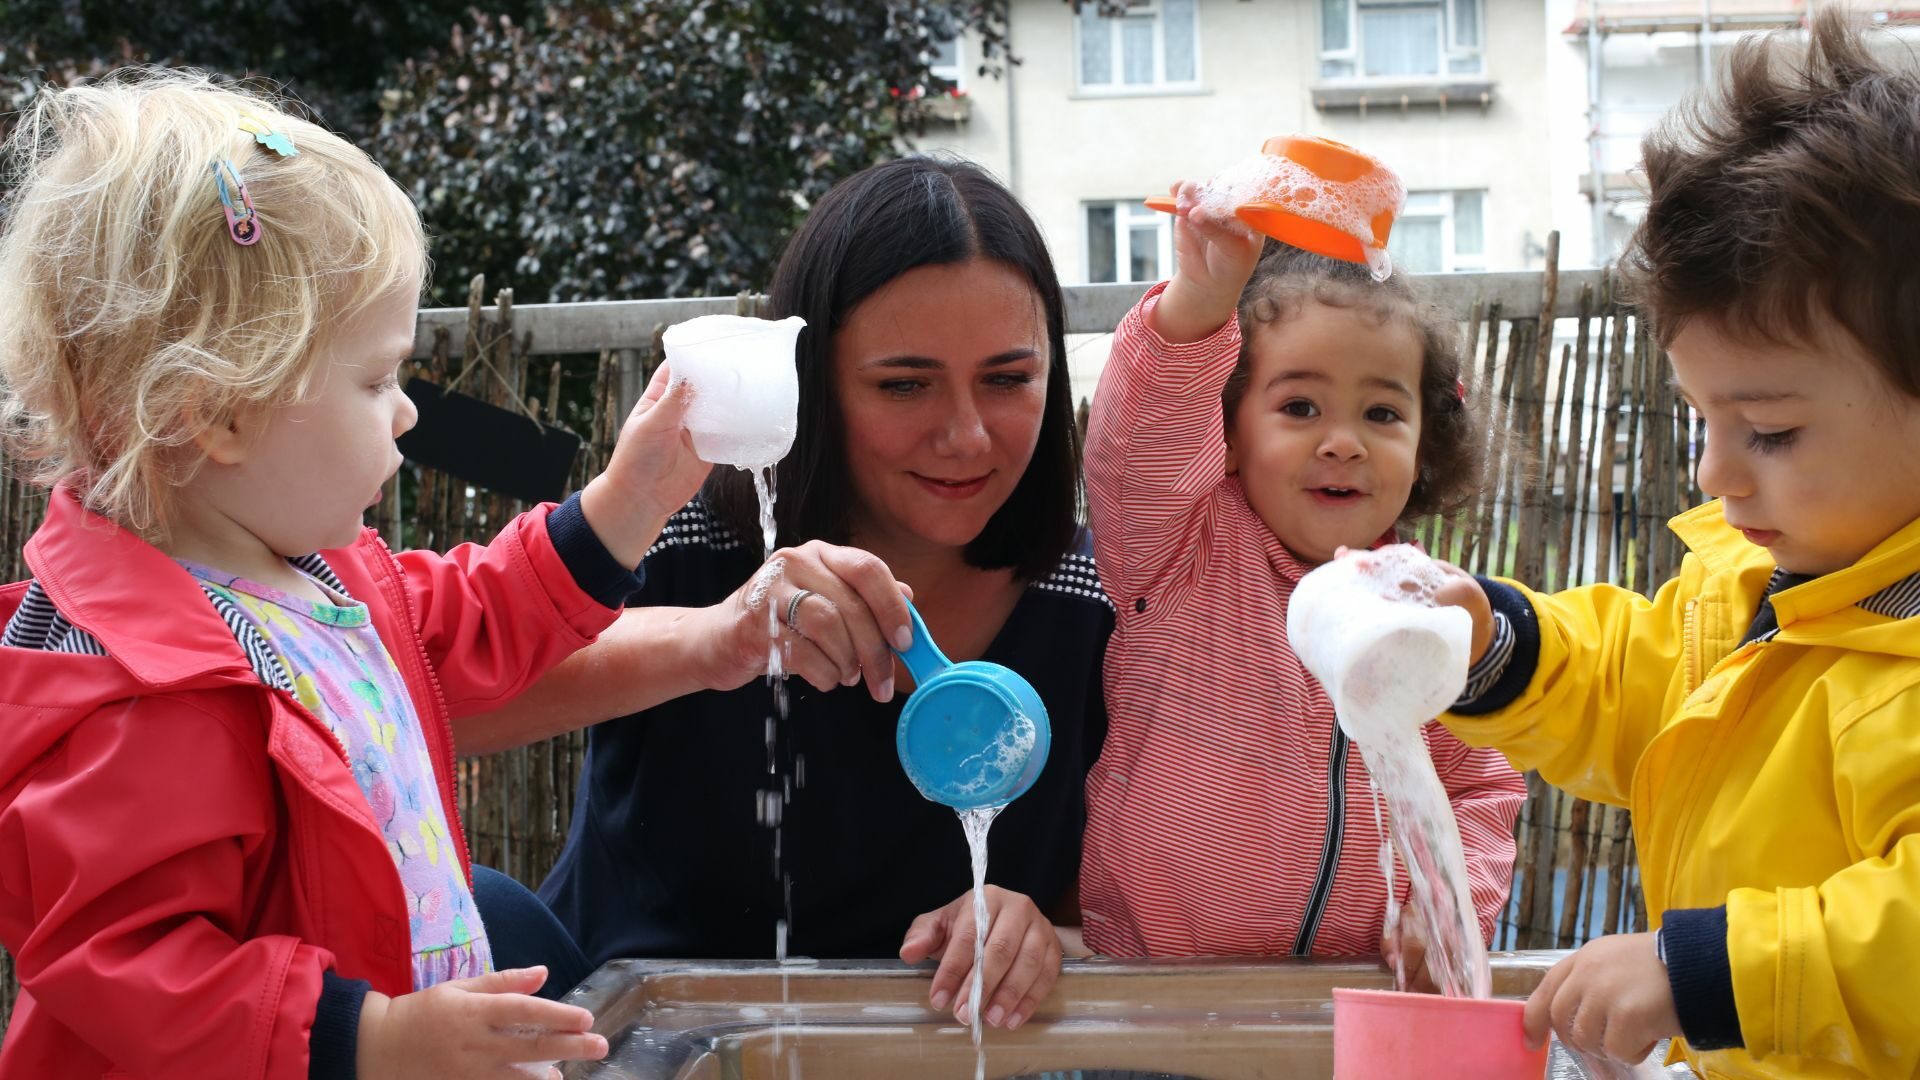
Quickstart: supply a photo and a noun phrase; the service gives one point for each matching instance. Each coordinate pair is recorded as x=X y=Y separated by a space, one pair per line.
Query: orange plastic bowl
x=1290 y=222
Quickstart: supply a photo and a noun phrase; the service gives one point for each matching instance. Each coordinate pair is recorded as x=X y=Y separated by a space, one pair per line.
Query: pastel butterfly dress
x=343 y=674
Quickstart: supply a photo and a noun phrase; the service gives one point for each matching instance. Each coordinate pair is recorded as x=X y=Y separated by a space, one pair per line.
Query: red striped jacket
x=1227 y=814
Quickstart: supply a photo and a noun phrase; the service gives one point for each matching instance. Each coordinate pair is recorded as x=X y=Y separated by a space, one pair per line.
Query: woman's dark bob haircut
x=871 y=228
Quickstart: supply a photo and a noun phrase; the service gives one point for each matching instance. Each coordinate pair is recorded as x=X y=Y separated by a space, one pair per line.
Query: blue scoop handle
x=923 y=658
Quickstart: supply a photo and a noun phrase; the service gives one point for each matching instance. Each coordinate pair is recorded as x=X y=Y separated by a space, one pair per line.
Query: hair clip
x=277 y=141
x=242 y=223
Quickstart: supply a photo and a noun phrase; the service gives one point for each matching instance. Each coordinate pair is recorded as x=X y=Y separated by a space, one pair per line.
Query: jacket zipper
x=390 y=569
x=1690 y=641
x=1330 y=846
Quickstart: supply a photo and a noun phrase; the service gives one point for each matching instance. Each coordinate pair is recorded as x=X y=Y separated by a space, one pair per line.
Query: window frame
x=1451 y=260
x=1114 y=26
x=1450 y=51
x=957 y=73
x=1127 y=214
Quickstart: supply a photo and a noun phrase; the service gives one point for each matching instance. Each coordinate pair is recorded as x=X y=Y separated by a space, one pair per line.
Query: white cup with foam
x=1366 y=626
x=746 y=390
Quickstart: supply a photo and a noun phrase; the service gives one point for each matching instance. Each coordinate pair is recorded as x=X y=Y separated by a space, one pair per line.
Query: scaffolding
x=1596 y=20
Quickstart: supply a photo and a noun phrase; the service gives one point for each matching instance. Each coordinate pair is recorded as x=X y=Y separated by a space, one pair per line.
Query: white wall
x=1258 y=61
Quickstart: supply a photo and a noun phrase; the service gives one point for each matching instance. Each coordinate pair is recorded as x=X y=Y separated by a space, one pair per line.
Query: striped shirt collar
x=37 y=624
x=1900 y=600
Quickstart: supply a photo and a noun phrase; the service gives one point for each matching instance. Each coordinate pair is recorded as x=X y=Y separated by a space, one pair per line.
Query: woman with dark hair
x=935 y=455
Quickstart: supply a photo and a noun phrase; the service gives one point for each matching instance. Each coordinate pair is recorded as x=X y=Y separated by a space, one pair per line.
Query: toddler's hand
x=472 y=1028
x=652 y=473
x=1022 y=956
x=1214 y=256
x=1462 y=590
x=1404 y=952
x=1611 y=998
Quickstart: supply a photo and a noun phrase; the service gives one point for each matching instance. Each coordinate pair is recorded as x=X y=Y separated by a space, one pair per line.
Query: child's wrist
x=625 y=527
x=1187 y=312
x=373 y=1017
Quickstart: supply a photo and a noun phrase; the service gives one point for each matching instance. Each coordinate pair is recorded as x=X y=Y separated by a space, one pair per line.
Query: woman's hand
x=838 y=611
x=1022 y=958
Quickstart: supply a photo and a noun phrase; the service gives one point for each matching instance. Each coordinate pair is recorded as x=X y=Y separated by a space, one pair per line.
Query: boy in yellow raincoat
x=1761 y=715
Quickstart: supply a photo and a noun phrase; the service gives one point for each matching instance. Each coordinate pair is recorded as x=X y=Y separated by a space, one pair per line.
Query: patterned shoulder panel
x=695 y=525
x=1076 y=575
x=39 y=625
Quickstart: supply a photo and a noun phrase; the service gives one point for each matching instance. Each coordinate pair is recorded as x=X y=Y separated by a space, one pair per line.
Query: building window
x=1155 y=45
x=1398 y=40
x=1440 y=232
x=1128 y=242
x=943 y=62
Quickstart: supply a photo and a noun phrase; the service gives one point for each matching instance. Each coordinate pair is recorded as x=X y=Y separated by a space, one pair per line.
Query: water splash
x=1392 y=924
x=975 y=823
x=770 y=803
x=1427 y=837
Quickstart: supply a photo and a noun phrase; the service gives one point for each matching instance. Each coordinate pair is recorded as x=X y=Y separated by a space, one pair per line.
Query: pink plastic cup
x=1383 y=1034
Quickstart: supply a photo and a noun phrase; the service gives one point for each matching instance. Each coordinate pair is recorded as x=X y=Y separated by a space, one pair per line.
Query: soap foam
x=1005 y=756
x=1347 y=205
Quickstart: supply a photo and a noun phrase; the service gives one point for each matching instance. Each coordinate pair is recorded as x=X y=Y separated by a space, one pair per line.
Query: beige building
x=1104 y=111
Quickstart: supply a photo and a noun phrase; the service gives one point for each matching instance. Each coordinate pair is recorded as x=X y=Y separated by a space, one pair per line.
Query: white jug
x=1365 y=625
x=746 y=390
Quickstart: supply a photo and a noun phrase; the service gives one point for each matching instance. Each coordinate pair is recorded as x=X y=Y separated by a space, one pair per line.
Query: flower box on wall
x=949 y=108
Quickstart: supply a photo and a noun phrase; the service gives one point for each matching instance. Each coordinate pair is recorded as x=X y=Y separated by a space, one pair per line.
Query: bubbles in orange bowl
x=1313 y=193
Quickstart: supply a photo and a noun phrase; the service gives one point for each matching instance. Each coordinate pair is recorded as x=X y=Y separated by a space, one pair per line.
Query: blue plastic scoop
x=972 y=734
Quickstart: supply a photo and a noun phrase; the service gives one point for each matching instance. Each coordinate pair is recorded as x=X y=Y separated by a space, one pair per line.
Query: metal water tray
x=869 y=1020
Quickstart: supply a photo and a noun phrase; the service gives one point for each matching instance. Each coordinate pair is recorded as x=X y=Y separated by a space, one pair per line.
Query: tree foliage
x=330 y=54
x=573 y=149
x=658 y=149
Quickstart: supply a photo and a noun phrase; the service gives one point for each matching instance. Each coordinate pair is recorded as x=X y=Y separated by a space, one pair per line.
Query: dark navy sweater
x=667 y=856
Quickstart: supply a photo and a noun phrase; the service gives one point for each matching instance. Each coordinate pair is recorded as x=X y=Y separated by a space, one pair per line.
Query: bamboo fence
x=1604 y=454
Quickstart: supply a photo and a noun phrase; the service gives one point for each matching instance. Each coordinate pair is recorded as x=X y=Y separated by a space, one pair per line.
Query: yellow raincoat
x=1780 y=778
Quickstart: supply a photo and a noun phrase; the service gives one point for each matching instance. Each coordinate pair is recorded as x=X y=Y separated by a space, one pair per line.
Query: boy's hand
x=1611 y=998
x=1462 y=590
x=652 y=473
x=1214 y=257
x=472 y=1028
x=1022 y=956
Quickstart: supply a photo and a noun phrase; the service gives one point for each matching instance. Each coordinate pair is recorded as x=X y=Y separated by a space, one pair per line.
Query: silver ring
x=793 y=608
